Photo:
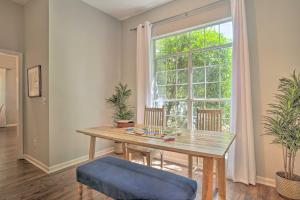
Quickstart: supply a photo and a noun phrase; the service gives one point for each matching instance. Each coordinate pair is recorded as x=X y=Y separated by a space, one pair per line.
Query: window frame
x=190 y=100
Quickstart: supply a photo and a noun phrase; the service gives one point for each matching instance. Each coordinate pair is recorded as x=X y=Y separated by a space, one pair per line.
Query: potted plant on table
x=283 y=122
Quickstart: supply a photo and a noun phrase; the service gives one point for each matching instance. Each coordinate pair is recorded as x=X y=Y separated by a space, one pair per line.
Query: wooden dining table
x=211 y=146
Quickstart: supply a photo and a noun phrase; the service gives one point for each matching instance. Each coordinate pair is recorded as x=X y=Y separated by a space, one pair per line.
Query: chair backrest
x=209 y=120
x=154 y=116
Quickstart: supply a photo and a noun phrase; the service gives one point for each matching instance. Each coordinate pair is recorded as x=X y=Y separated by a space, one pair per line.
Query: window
x=193 y=70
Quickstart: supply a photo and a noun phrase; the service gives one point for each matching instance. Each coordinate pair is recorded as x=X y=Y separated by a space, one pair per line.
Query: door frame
x=19 y=79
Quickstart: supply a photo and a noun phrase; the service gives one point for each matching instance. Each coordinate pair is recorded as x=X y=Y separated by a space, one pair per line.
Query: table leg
x=125 y=151
x=92 y=147
x=221 y=179
x=190 y=166
x=207 y=181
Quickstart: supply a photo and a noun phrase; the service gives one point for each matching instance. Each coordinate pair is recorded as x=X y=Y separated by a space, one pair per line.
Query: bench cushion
x=121 y=179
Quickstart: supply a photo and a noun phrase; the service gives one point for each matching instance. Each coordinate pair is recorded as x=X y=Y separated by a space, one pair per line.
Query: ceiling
x=123 y=9
x=22 y=2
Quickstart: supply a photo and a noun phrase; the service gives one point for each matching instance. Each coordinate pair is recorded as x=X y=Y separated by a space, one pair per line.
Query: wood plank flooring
x=20 y=180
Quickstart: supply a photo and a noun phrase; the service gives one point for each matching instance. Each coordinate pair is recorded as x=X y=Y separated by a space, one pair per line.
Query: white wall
x=11 y=26
x=273 y=27
x=85 y=61
x=36 y=110
x=274 y=50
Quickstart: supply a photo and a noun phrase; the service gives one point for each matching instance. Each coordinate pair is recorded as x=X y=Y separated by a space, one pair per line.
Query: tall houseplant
x=283 y=122
x=123 y=114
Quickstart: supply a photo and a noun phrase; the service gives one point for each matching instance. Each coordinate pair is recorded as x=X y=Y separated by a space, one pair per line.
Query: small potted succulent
x=283 y=122
x=123 y=114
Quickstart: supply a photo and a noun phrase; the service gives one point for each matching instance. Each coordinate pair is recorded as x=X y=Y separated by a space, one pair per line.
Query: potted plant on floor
x=283 y=122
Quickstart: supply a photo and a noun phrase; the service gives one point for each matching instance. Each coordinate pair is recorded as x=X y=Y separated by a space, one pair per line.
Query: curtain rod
x=183 y=15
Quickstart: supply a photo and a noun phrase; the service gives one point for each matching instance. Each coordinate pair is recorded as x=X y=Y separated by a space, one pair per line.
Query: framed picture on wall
x=34 y=82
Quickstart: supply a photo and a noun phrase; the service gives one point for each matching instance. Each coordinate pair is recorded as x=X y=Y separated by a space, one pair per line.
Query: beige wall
x=11 y=26
x=273 y=27
x=274 y=52
x=85 y=60
x=36 y=110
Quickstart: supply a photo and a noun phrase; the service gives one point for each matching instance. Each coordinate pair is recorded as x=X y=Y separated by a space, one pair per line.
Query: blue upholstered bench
x=121 y=179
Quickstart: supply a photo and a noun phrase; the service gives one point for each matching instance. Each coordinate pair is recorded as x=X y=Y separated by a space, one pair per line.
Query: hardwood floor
x=22 y=180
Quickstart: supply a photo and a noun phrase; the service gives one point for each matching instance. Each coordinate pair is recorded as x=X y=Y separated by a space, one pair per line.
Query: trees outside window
x=193 y=70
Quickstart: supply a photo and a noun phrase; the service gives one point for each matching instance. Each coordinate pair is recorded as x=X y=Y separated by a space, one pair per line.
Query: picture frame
x=34 y=81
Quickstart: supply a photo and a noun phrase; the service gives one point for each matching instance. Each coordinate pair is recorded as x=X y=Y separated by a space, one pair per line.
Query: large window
x=192 y=70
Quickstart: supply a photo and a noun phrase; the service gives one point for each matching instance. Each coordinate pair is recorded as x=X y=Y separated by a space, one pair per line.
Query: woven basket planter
x=287 y=188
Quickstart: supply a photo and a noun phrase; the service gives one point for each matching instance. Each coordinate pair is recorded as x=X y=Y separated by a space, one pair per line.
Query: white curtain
x=241 y=161
x=2 y=97
x=144 y=70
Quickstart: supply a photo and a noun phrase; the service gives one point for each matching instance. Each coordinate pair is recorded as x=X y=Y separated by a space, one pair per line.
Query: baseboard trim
x=266 y=181
x=37 y=163
x=180 y=159
x=77 y=161
x=64 y=165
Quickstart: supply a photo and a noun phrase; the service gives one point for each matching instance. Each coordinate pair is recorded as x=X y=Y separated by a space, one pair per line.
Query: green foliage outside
x=283 y=121
x=119 y=102
x=211 y=56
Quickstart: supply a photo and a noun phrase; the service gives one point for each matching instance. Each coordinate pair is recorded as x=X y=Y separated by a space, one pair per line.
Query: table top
x=193 y=142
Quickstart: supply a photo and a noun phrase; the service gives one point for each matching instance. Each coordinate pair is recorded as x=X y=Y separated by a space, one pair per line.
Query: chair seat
x=122 y=179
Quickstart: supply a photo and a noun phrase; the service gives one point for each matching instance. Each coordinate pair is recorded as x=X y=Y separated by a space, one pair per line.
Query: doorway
x=11 y=95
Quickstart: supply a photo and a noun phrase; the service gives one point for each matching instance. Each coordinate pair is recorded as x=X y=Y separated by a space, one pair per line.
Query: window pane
x=198 y=75
x=171 y=77
x=226 y=33
x=171 y=64
x=161 y=92
x=211 y=64
x=171 y=121
x=213 y=57
x=181 y=122
x=171 y=92
x=182 y=62
x=198 y=59
x=160 y=65
x=161 y=78
x=182 y=92
x=212 y=105
x=199 y=91
x=212 y=74
x=225 y=73
x=198 y=105
x=197 y=39
x=212 y=90
x=226 y=89
x=212 y=36
x=182 y=76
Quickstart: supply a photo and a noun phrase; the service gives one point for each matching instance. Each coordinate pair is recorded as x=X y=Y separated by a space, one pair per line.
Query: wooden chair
x=208 y=120
x=152 y=117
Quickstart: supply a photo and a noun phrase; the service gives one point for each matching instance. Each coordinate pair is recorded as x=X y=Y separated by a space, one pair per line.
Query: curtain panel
x=143 y=70
x=241 y=161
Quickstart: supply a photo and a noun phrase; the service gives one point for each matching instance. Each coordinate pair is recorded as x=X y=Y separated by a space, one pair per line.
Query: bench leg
x=162 y=160
x=80 y=190
x=92 y=147
x=207 y=182
x=190 y=166
x=125 y=151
